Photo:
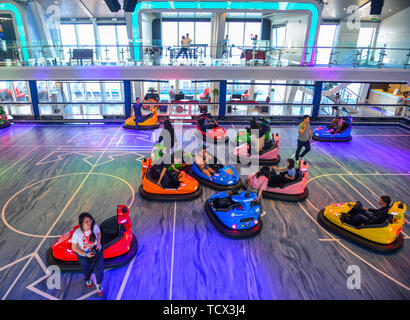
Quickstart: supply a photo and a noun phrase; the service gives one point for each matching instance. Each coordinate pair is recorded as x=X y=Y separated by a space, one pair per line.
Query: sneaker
x=100 y=290
x=88 y=283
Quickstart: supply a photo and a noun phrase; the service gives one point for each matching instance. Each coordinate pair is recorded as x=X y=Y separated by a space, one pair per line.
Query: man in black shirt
x=373 y=216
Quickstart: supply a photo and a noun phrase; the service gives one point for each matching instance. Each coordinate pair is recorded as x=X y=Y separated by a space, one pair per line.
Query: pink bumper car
x=268 y=156
x=292 y=191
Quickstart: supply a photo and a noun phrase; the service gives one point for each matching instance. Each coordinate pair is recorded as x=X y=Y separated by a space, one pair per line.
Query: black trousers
x=301 y=144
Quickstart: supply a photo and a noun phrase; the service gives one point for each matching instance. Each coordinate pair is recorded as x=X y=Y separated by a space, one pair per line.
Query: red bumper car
x=117 y=240
x=212 y=132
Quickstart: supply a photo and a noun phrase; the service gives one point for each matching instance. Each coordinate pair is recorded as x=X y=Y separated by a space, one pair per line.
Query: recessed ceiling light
x=344 y=9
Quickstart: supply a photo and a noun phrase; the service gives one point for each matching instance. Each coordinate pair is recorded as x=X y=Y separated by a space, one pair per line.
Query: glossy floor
x=51 y=173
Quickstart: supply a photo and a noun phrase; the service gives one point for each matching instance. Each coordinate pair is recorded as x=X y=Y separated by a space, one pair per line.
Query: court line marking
x=58 y=218
x=16 y=162
x=125 y=280
x=3 y=212
x=87 y=295
x=172 y=253
x=32 y=288
x=15 y=262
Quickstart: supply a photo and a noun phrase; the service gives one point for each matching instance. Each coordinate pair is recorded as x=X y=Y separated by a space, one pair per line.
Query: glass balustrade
x=259 y=54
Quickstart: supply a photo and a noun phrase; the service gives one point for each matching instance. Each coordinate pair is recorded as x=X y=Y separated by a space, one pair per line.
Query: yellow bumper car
x=384 y=237
x=149 y=121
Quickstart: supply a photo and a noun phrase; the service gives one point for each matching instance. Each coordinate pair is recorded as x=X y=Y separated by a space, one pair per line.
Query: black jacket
x=378 y=216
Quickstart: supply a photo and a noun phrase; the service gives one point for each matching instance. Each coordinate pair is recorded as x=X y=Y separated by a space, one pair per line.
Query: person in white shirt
x=86 y=243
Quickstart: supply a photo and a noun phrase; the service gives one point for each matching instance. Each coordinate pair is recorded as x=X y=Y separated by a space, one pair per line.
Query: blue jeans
x=89 y=267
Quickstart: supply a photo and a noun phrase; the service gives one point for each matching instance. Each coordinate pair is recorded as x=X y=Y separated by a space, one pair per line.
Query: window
x=202 y=33
x=184 y=28
x=170 y=33
x=86 y=35
x=251 y=28
x=325 y=39
x=279 y=36
x=235 y=33
x=366 y=36
x=108 y=41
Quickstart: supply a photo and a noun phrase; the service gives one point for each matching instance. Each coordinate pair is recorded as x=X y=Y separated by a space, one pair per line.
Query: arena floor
x=51 y=173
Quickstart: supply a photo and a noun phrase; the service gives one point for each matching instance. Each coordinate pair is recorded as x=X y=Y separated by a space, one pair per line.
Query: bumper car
x=149 y=121
x=292 y=191
x=244 y=135
x=268 y=156
x=225 y=178
x=212 y=134
x=188 y=189
x=234 y=215
x=325 y=133
x=385 y=237
x=117 y=240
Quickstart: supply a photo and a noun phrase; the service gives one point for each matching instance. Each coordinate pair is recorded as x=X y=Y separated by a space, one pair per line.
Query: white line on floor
x=15 y=262
x=125 y=280
x=172 y=253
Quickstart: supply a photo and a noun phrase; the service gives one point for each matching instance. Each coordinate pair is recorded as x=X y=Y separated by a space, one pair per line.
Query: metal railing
x=205 y=55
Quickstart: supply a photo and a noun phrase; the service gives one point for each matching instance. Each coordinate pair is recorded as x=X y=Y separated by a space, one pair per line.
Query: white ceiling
x=333 y=9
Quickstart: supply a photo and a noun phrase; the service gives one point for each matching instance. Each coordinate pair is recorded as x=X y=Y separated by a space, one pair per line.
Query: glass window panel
x=184 y=28
x=42 y=91
x=261 y=92
x=113 y=109
x=77 y=91
x=93 y=91
x=91 y=109
x=24 y=110
x=251 y=28
x=278 y=92
x=68 y=37
x=108 y=41
x=235 y=33
x=20 y=90
x=165 y=88
x=325 y=39
x=170 y=33
x=113 y=91
x=122 y=35
x=203 y=33
x=72 y=109
x=86 y=35
x=6 y=93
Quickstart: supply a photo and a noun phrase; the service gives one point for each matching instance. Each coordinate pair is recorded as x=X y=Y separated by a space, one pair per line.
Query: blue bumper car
x=235 y=215
x=326 y=133
x=225 y=178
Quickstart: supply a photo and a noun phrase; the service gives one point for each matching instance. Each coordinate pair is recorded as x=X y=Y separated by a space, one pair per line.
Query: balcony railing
x=189 y=110
x=204 y=55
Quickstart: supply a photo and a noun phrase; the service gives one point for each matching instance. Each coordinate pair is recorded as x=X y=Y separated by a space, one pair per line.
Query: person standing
x=335 y=108
x=225 y=44
x=188 y=42
x=304 y=137
x=184 y=48
x=137 y=107
x=86 y=244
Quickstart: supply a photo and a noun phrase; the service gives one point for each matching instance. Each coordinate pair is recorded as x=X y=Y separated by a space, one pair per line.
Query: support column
x=127 y=98
x=222 y=98
x=317 y=96
x=220 y=33
x=34 y=98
